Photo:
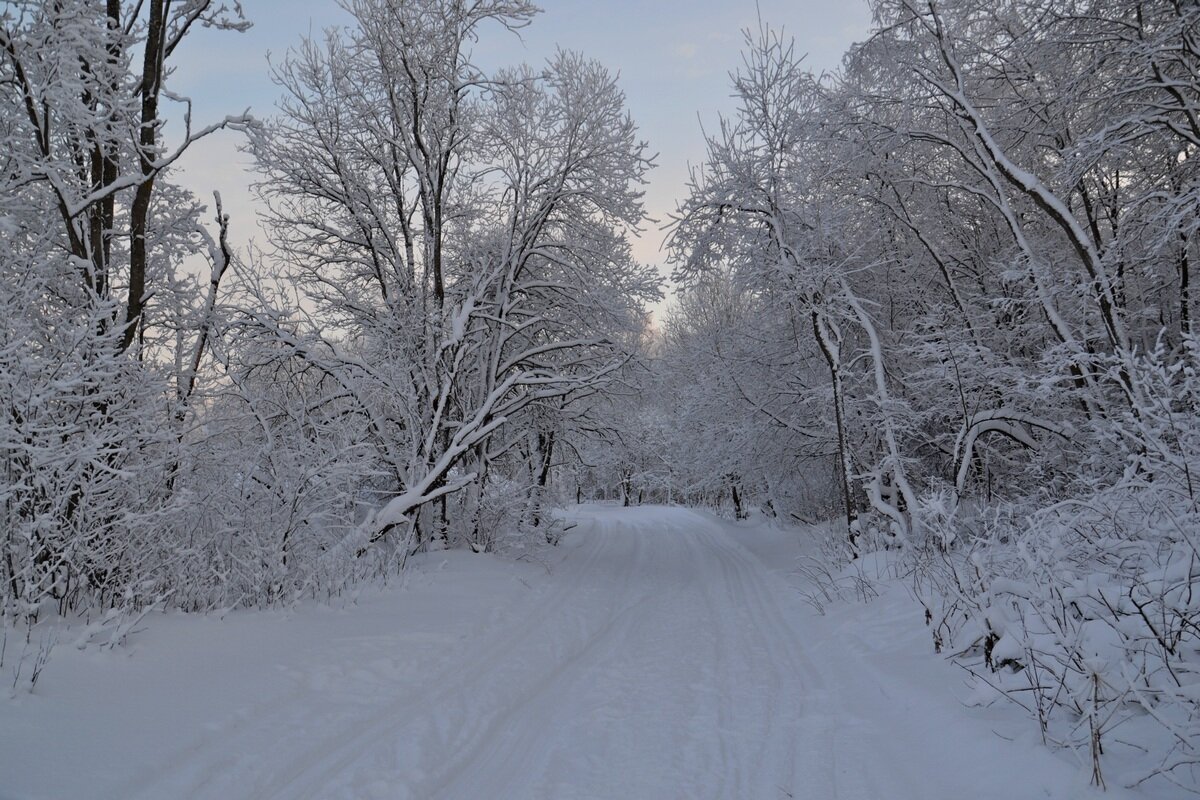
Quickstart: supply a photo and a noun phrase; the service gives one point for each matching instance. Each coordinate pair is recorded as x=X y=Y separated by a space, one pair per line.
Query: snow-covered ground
x=657 y=653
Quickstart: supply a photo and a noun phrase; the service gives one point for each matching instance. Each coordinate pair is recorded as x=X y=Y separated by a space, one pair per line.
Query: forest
x=936 y=305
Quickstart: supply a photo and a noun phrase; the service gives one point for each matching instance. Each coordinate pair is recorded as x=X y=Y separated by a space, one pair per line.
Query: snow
x=656 y=653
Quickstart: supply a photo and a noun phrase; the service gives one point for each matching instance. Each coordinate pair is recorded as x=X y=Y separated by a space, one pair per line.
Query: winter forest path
x=660 y=657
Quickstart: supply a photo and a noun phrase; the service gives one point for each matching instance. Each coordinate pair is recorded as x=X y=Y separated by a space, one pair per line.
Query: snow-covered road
x=659 y=657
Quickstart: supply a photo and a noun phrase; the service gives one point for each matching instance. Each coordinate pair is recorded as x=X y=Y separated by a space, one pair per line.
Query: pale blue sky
x=673 y=57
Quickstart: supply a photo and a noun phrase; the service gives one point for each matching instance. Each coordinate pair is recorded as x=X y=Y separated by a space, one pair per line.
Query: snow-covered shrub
x=83 y=452
x=836 y=574
x=1086 y=611
x=270 y=482
x=507 y=512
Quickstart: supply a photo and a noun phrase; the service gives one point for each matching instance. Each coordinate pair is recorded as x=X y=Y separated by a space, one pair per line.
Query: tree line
x=944 y=296
x=445 y=285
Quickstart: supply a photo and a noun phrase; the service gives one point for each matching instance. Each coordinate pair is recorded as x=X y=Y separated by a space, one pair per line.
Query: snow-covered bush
x=1086 y=611
x=1086 y=614
x=83 y=452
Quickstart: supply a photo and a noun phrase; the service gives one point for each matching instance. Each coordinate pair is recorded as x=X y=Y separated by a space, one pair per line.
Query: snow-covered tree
x=92 y=236
x=981 y=227
x=458 y=239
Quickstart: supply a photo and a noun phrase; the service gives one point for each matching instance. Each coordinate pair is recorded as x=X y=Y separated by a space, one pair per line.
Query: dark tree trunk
x=147 y=155
x=739 y=511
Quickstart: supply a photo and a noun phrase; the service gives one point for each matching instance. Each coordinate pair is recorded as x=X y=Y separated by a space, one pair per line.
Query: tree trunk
x=739 y=512
x=830 y=350
x=147 y=155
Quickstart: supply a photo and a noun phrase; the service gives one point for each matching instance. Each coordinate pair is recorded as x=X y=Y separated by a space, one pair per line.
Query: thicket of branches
x=446 y=291
x=944 y=295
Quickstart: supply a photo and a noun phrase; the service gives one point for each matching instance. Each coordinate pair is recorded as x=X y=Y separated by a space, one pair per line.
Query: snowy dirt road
x=658 y=656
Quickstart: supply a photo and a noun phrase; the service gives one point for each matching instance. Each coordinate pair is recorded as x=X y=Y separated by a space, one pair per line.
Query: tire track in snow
x=645 y=596
x=255 y=736
x=528 y=738
x=746 y=616
x=414 y=719
x=752 y=619
x=852 y=760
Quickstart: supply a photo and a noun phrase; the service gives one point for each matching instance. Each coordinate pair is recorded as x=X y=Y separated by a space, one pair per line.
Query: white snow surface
x=656 y=653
